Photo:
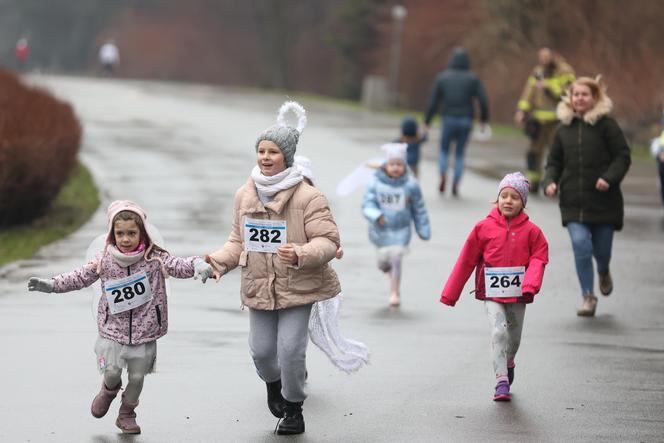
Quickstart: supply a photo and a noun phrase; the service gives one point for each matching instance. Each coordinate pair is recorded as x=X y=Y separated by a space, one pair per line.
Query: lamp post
x=399 y=13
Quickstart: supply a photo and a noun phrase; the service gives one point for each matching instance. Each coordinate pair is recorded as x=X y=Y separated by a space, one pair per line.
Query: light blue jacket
x=398 y=200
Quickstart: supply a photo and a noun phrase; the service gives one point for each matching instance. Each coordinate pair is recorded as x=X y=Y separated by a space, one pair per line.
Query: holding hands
x=202 y=270
x=40 y=284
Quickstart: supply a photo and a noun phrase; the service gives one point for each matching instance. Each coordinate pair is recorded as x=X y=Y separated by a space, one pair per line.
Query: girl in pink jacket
x=508 y=253
x=132 y=312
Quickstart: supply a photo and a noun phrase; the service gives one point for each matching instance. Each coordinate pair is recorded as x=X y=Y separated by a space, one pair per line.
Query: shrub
x=39 y=140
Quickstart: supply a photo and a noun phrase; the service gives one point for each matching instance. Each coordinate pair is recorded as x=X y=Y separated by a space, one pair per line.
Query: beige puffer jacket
x=267 y=283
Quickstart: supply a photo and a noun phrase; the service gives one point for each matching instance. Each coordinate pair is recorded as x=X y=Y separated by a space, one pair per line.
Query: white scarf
x=269 y=186
x=124 y=259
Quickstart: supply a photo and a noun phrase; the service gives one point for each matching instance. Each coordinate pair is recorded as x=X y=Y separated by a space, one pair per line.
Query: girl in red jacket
x=508 y=253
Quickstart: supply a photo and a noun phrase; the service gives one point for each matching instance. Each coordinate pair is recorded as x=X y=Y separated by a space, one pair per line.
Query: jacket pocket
x=158 y=312
x=247 y=284
x=305 y=281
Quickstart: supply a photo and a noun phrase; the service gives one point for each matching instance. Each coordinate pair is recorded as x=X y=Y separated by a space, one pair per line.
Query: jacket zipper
x=580 y=138
x=274 y=273
x=131 y=311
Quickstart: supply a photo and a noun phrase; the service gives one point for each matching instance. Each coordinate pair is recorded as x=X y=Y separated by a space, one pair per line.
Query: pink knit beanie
x=518 y=182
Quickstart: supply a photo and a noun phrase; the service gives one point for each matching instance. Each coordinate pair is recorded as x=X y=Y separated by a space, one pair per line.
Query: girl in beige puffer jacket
x=283 y=237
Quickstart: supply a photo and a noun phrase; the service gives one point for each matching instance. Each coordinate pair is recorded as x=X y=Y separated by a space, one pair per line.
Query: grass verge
x=77 y=201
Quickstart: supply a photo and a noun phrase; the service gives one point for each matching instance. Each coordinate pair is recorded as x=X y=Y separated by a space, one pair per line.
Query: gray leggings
x=137 y=368
x=278 y=344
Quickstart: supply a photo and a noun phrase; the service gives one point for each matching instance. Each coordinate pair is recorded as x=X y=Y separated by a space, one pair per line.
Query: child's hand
x=40 y=284
x=381 y=220
x=287 y=254
x=340 y=253
x=202 y=270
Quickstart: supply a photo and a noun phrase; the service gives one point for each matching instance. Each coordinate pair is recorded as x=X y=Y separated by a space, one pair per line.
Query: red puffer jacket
x=497 y=242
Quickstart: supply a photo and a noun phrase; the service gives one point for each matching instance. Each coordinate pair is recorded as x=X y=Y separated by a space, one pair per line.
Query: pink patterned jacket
x=139 y=325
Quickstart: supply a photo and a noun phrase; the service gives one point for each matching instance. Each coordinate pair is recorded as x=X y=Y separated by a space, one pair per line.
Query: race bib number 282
x=264 y=235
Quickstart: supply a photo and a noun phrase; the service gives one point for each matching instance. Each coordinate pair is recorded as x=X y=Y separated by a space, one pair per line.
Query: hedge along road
x=181 y=151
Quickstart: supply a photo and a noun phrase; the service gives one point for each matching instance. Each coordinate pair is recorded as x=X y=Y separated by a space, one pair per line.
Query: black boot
x=293 y=422
x=274 y=399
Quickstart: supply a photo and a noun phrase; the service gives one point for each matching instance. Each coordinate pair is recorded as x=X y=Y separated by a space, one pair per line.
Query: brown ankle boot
x=605 y=283
x=103 y=400
x=127 y=418
x=588 y=307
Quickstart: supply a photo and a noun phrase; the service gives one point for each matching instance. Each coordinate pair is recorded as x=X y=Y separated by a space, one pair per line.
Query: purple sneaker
x=502 y=392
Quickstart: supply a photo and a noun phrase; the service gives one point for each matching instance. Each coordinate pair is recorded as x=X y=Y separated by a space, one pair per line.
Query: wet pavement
x=181 y=151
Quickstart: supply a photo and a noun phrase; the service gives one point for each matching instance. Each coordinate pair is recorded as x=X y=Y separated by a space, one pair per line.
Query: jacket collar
x=566 y=113
x=277 y=204
x=501 y=220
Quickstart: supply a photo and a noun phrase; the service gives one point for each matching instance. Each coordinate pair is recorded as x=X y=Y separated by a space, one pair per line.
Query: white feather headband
x=298 y=110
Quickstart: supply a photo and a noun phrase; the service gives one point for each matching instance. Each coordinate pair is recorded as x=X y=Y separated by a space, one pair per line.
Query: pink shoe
x=502 y=392
x=127 y=418
x=103 y=400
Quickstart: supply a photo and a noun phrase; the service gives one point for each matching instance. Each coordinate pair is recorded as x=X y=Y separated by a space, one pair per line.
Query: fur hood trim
x=566 y=113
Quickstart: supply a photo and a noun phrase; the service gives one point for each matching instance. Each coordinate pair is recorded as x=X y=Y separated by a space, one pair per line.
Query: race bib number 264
x=504 y=282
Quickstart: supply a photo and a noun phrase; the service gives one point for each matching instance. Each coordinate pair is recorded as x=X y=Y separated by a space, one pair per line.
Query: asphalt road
x=181 y=151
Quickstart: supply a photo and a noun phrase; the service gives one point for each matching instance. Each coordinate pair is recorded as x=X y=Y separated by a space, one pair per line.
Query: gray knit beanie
x=284 y=135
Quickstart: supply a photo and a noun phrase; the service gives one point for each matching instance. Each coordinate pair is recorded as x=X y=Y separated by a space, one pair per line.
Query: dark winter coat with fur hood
x=585 y=149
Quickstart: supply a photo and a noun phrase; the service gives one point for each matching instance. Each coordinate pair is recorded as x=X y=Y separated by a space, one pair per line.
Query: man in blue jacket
x=453 y=92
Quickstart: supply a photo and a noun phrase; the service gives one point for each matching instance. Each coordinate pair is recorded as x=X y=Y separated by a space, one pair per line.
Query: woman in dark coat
x=588 y=160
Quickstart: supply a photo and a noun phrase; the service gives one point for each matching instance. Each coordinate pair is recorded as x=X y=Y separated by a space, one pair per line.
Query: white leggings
x=137 y=368
x=506 y=320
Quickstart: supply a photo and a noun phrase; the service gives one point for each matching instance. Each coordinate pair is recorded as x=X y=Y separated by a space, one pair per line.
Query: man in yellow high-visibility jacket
x=537 y=108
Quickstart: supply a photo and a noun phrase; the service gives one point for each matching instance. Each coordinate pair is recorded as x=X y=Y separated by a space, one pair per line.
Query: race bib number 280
x=264 y=235
x=504 y=282
x=127 y=293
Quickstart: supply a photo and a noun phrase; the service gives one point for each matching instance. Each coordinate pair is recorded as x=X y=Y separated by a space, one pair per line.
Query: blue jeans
x=455 y=129
x=590 y=240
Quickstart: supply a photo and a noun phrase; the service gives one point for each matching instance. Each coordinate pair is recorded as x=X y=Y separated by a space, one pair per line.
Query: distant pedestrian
x=414 y=139
x=508 y=253
x=283 y=236
x=109 y=58
x=657 y=150
x=22 y=53
x=392 y=202
x=537 y=108
x=133 y=312
x=454 y=92
x=588 y=160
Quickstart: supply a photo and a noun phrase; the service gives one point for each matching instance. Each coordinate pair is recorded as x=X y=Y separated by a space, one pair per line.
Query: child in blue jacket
x=391 y=202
